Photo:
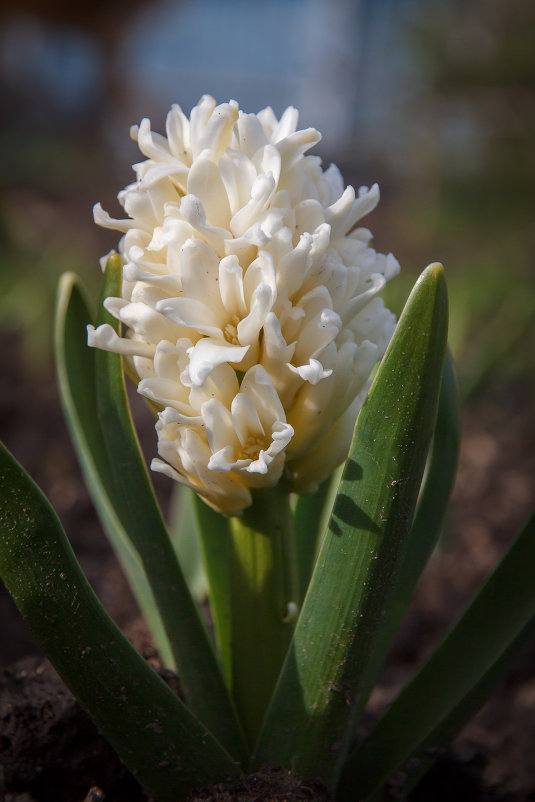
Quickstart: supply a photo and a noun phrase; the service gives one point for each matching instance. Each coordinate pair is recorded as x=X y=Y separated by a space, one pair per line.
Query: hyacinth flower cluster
x=244 y=302
x=250 y=300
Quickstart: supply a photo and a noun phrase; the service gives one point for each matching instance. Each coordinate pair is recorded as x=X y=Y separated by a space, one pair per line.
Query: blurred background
x=433 y=99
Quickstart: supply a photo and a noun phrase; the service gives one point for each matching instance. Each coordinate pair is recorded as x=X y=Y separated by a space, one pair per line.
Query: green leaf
x=185 y=537
x=456 y=679
x=157 y=737
x=214 y=532
x=328 y=671
x=138 y=510
x=432 y=503
x=75 y=364
x=437 y=486
x=311 y=516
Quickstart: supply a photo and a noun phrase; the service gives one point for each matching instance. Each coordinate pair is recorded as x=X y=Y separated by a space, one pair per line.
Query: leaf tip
x=114 y=262
x=433 y=279
x=434 y=271
x=66 y=285
x=67 y=280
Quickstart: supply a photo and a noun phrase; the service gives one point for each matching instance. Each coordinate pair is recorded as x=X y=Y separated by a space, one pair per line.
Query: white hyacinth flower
x=250 y=300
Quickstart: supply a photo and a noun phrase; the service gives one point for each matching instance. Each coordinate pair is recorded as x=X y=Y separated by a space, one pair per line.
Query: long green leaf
x=456 y=679
x=437 y=487
x=157 y=737
x=75 y=364
x=326 y=677
x=311 y=516
x=432 y=503
x=214 y=531
x=186 y=540
x=138 y=510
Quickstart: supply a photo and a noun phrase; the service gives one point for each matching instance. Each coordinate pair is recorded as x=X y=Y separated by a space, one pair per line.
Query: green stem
x=264 y=592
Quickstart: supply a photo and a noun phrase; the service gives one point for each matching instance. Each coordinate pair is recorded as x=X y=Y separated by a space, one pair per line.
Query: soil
x=51 y=752
x=41 y=724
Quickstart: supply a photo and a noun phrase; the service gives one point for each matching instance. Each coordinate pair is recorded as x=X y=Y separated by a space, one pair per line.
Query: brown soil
x=41 y=726
x=268 y=785
x=51 y=752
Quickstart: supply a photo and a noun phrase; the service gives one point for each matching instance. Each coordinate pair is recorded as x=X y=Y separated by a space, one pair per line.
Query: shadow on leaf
x=347 y=511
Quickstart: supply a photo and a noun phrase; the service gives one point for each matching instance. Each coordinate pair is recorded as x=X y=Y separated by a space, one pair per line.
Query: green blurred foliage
x=473 y=184
x=46 y=228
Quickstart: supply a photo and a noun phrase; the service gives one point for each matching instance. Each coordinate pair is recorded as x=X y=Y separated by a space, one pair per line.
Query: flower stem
x=263 y=600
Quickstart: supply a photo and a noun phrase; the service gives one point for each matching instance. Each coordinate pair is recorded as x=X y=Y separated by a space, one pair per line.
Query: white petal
x=261 y=192
x=275 y=346
x=375 y=284
x=199 y=117
x=251 y=135
x=309 y=215
x=245 y=418
x=152 y=145
x=258 y=385
x=157 y=172
x=219 y=426
x=148 y=322
x=222 y=384
x=293 y=267
x=159 y=466
x=307 y=473
x=205 y=182
x=215 y=137
x=231 y=285
x=313 y=372
x=238 y=174
x=106 y=338
x=171 y=235
x=294 y=145
x=167 y=283
x=332 y=185
x=268 y=120
x=114 y=306
x=245 y=247
x=287 y=124
x=268 y=160
x=166 y=393
x=177 y=129
x=192 y=211
x=343 y=214
x=261 y=303
x=199 y=274
x=223 y=460
x=190 y=313
x=316 y=333
x=207 y=354
x=103 y=219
